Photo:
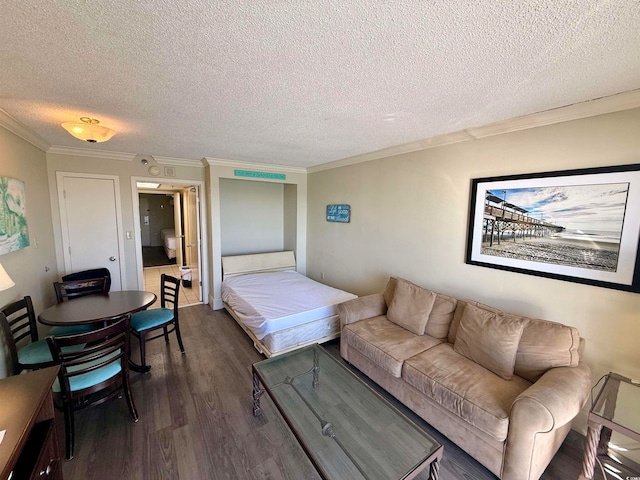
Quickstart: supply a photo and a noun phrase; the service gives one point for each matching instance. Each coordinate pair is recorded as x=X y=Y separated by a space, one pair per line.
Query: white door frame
x=63 y=217
x=204 y=256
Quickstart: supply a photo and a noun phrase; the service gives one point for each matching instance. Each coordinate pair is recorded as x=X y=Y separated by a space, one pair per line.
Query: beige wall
x=251 y=216
x=409 y=218
x=27 y=267
x=125 y=170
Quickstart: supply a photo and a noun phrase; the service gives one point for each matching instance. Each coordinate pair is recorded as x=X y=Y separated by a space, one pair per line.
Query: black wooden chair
x=18 y=323
x=89 y=274
x=75 y=289
x=94 y=367
x=70 y=289
x=165 y=317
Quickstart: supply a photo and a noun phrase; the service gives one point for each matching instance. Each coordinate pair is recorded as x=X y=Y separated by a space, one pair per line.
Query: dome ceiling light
x=89 y=130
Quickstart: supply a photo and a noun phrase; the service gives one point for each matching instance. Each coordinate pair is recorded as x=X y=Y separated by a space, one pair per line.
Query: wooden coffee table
x=347 y=430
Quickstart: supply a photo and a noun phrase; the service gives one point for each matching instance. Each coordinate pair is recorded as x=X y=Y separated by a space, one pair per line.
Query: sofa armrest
x=361 y=308
x=549 y=404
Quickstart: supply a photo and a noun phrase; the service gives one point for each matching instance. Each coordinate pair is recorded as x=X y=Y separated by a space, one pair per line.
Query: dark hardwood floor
x=196 y=419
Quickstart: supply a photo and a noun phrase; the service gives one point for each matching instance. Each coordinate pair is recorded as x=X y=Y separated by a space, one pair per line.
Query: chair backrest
x=5 y=329
x=18 y=322
x=22 y=319
x=102 y=347
x=169 y=289
x=79 y=288
x=89 y=274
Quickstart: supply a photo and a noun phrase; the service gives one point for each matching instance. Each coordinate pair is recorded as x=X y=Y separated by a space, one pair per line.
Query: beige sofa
x=505 y=388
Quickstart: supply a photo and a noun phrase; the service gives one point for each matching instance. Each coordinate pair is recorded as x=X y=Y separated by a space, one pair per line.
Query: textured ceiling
x=302 y=83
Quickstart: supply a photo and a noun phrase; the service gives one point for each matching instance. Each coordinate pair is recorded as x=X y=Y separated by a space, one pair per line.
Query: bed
x=280 y=309
x=168 y=238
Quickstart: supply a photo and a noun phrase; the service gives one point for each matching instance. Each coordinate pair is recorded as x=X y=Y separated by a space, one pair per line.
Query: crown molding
x=18 y=128
x=576 y=111
x=591 y=108
x=221 y=162
x=87 y=152
x=185 y=162
x=437 y=141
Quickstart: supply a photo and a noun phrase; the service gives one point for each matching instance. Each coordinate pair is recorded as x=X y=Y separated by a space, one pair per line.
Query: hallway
x=187 y=296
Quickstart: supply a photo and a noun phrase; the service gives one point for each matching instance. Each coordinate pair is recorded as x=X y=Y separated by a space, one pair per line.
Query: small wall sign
x=339 y=213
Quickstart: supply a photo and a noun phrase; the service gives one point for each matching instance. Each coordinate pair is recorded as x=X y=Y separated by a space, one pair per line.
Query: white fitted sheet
x=270 y=302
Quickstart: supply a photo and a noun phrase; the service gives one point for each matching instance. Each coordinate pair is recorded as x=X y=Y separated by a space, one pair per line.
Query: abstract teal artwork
x=14 y=233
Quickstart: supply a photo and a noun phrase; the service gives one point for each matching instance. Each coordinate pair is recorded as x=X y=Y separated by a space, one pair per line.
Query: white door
x=89 y=210
x=177 y=220
x=192 y=236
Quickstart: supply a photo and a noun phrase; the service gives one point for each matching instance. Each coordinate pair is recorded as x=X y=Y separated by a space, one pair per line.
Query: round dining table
x=98 y=308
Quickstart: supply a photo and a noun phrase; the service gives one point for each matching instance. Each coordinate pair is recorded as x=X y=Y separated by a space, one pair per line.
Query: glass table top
x=618 y=400
x=347 y=429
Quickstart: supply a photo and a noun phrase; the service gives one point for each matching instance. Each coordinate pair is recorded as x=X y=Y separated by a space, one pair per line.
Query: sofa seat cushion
x=386 y=344
x=465 y=388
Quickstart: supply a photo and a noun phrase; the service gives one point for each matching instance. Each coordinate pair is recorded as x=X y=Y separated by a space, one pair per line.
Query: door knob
x=113 y=259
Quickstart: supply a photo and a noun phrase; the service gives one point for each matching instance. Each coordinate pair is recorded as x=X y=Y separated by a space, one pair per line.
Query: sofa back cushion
x=546 y=345
x=543 y=344
x=411 y=306
x=457 y=316
x=490 y=339
x=441 y=314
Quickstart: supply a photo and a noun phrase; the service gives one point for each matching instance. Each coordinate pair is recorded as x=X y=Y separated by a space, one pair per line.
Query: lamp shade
x=5 y=279
x=89 y=130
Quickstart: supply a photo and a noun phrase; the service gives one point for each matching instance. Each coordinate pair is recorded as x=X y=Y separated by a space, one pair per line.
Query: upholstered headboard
x=258 y=263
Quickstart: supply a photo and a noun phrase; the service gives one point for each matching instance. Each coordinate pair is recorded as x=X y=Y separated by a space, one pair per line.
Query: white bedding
x=270 y=302
x=168 y=236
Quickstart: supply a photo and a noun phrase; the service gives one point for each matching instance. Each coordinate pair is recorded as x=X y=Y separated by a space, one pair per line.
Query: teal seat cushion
x=151 y=318
x=70 y=330
x=94 y=377
x=38 y=352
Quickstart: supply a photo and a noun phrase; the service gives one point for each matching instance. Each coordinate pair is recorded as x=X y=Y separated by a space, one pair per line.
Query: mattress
x=275 y=301
x=168 y=236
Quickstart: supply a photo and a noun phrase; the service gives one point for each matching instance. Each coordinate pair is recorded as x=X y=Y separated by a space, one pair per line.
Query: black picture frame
x=579 y=225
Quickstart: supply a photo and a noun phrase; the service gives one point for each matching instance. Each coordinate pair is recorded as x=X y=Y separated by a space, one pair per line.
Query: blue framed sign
x=339 y=213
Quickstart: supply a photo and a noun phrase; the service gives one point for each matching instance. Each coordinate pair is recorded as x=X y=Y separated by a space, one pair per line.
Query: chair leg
x=126 y=385
x=69 y=432
x=166 y=334
x=177 y=329
x=143 y=341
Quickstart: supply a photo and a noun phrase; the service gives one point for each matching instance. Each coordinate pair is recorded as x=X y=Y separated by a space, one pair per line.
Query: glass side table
x=615 y=410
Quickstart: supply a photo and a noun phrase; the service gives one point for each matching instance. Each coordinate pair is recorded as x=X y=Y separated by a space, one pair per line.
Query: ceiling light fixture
x=89 y=130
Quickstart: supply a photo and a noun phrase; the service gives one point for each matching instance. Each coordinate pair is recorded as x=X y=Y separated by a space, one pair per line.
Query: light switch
x=129 y=235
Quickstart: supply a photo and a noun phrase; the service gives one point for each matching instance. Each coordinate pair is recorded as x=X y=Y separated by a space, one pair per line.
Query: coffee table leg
x=257 y=393
x=316 y=369
x=590 y=451
x=434 y=470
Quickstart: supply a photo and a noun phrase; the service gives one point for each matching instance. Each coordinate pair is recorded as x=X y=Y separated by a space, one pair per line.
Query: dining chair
x=68 y=290
x=89 y=274
x=18 y=323
x=165 y=317
x=92 y=374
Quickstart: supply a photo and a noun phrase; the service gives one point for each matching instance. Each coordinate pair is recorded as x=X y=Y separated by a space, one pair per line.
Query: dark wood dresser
x=29 y=449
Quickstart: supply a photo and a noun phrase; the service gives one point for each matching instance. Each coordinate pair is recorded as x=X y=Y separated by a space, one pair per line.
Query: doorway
x=170 y=237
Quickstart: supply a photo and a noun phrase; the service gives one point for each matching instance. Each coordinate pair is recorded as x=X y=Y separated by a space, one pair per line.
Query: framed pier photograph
x=575 y=225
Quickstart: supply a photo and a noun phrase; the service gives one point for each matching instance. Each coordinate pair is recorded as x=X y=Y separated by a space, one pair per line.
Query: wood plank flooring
x=196 y=419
